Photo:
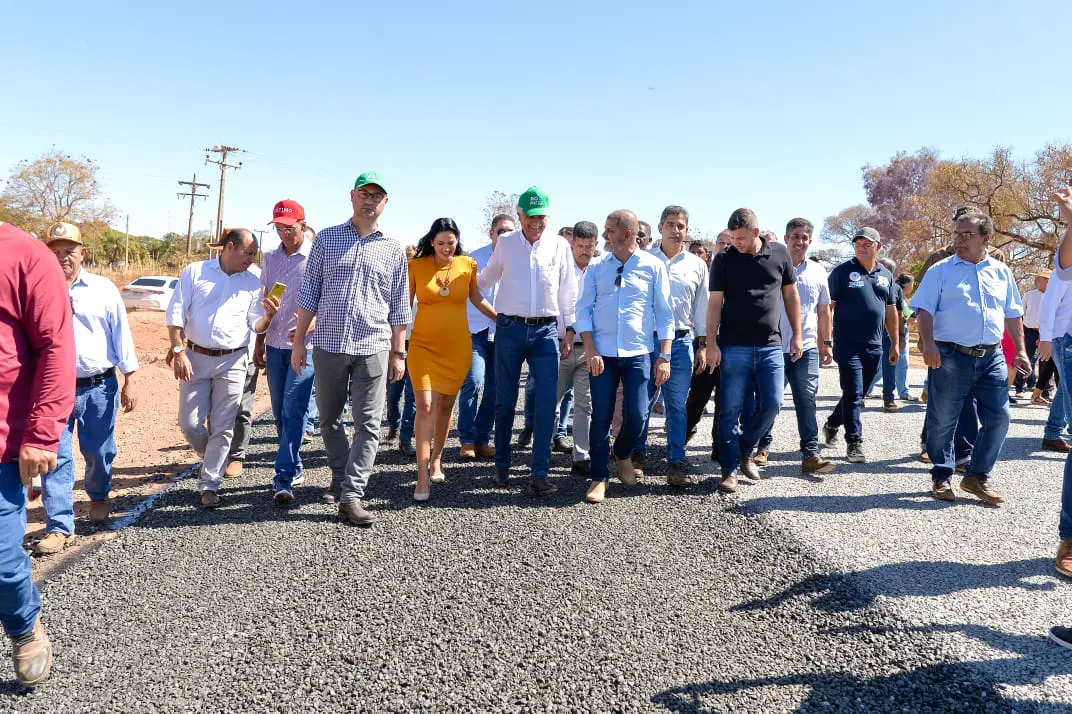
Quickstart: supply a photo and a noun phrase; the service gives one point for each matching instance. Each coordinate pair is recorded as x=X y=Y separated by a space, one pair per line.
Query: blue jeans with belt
x=19 y=599
x=633 y=373
x=744 y=368
x=858 y=363
x=959 y=378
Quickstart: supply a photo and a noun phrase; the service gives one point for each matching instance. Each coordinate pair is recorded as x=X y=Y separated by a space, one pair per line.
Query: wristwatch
x=665 y=356
x=828 y=343
x=178 y=349
x=396 y=353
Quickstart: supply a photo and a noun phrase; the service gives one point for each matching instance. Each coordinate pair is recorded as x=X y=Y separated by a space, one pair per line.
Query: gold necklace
x=444 y=282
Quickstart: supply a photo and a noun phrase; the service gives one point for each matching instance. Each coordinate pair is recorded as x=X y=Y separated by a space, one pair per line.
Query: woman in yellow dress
x=443 y=279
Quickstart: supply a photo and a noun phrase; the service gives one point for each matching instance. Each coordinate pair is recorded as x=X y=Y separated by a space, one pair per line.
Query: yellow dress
x=440 y=348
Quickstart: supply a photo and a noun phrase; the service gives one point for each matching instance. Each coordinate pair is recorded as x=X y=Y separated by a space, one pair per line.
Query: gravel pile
x=487 y=600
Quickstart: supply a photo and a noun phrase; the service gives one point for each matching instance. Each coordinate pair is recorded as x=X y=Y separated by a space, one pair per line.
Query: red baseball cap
x=287 y=213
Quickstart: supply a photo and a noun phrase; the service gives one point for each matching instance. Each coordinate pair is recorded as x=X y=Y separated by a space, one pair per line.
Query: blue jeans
x=633 y=373
x=1057 y=421
x=401 y=419
x=19 y=599
x=802 y=377
x=530 y=391
x=901 y=371
x=564 y=409
x=958 y=379
x=674 y=395
x=966 y=433
x=1062 y=360
x=745 y=367
x=289 y=392
x=95 y=409
x=476 y=414
x=857 y=366
x=515 y=343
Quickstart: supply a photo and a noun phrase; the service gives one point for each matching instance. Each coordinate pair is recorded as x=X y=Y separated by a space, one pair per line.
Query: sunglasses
x=501 y=231
x=618 y=279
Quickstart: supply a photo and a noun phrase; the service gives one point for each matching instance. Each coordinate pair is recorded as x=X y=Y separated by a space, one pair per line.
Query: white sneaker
x=298 y=480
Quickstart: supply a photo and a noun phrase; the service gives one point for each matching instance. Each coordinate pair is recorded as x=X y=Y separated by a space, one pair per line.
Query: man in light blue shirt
x=104 y=344
x=476 y=413
x=624 y=302
x=964 y=305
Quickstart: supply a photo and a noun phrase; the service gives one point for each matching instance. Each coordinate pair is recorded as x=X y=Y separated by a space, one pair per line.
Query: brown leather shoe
x=1058 y=445
x=942 y=491
x=53 y=542
x=638 y=465
x=234 y=469
x=729 y=483
x=99 y=511
x=32 y=656
x=761 y=457
x=816 y=465
x=485 y=451
x=676 y=476
x=626 y=472
x=597 y=491
x=891 y=406
x=1064 y=558
x=749 y=469
x=467 y=452
x=209 y=499
x=979 y=487
x=354 y=514
x=1037 y=397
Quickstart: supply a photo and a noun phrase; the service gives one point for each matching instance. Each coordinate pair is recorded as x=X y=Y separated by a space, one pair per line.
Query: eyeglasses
x=501 y=231
x=965 y=235
x=286 y=230
x=368 y=196
x=618 y=279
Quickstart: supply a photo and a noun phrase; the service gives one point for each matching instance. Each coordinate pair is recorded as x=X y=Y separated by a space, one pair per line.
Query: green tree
x=54 y=187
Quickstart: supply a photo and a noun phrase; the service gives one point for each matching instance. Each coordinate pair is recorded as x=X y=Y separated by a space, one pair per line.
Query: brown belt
x=212 y=353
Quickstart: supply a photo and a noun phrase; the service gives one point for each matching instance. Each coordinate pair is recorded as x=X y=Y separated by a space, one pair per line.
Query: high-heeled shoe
x=420 y=497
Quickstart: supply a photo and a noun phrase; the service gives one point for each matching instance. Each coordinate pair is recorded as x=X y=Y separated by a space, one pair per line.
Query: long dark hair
x=439 y=225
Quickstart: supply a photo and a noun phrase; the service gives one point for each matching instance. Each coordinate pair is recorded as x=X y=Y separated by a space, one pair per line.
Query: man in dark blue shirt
x=862 y=296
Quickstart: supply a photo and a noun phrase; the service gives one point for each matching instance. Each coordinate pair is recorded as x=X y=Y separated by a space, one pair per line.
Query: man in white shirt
x=816 y=321
x=104 y=344
x=688 y=297
x=1032 y=300
x=573 y=369
x=476 y=412
x=215 y=305
x=535 y=301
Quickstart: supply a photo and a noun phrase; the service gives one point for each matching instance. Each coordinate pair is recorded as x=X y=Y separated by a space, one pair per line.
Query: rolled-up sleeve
x=1055 y=291
x=180 y=299
x=256 y=310
x=491 y=273
x=313 y=279
x=567 y=289
x=664 y=311
x=398 y=303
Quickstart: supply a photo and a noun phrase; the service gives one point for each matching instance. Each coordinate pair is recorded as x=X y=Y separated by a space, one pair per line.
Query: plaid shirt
x=358 y=288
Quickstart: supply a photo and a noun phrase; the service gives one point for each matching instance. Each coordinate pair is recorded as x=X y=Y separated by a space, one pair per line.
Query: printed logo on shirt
x=883 y=281
x=856 y=280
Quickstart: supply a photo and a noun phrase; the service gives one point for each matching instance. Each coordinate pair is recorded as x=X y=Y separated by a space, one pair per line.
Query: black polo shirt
x=860 y=301
x=752 y=294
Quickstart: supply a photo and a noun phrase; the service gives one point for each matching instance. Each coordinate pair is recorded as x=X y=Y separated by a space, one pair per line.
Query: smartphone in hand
x=277 y=291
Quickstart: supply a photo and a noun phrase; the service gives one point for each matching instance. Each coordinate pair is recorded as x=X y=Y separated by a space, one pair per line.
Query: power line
x=223 y=151
x=194 y=185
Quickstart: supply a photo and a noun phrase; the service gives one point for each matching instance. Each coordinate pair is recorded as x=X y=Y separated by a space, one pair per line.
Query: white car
x=152 y=292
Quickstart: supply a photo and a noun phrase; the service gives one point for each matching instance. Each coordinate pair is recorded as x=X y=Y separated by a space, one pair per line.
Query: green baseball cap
x=534 y=202
x=370 y=177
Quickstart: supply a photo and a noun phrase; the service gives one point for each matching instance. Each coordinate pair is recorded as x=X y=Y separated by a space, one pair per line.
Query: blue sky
x=711 y=105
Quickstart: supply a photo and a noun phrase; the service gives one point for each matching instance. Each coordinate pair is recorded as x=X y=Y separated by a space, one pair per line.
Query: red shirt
x=36 y=346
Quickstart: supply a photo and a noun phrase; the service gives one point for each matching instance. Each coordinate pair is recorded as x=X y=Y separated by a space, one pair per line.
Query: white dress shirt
x=688 y=290
x=1055 y=311
x=1032 y=302
x=814 y=289
x=535 y=279
x=216 y=310
x=101 y=332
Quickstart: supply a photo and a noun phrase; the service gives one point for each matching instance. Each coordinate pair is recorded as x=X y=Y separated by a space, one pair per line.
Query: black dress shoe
x=502 y=476
x=406 y=448
x=689 y=434
x=582 y=468
x=540 y=486
x=392 y=434
x=524 y=438
x=332 y=495
x=561 y=446
x=354 y=514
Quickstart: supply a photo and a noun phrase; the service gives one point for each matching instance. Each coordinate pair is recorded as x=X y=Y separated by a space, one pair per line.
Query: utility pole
x=260 y=240
x=194 y=185
x=223 y=151
x=126 y=249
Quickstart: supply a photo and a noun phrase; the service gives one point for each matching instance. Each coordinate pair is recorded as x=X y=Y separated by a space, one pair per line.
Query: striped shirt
x=358 y=287
x=289 y=270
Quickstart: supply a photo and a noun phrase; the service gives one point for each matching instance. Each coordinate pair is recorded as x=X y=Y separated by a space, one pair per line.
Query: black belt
x=214 y=353
x=95 y=379
x=531 y=320
x=682 y=333
x=973 y=351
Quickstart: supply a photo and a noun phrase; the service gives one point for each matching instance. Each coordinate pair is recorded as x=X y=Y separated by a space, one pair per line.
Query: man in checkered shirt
x=356 y=285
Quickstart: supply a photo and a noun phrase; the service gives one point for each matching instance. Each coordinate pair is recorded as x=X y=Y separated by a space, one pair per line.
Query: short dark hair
x=585 y=229
x=673 y=211
x=439 y=225
x=905 y=279
x=565 y=231
x=701 y=245
x=646 y=225
x=743 y=218
x=983 y=222
x=799 y=223
x=235 y=237
x=499 y=218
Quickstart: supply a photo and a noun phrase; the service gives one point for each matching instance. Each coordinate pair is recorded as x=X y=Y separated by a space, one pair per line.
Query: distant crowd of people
x=348 y=320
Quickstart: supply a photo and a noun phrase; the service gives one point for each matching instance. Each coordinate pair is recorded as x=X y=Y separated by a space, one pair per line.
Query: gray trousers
x=208 y=404
x=244 y=419
x=574 y=370
x=351 y=464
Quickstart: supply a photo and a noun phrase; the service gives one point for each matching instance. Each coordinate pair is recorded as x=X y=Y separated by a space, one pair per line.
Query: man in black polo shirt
x=862 y=296
x=749 y=282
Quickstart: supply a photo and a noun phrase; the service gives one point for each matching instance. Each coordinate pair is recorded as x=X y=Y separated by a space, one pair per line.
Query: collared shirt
x=478 y=321
x=358 y=286
x=1055 y=310
x=622 y=319
x=101 y=332
x=813 y=289
x=688 y=290
x=535 y=279
x=216 y=310
x=36 y=346
x=1032 y=302
x=969 y=301
x=289 y=270
x=579 y=272
x=751 y=287
x=860 y=299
